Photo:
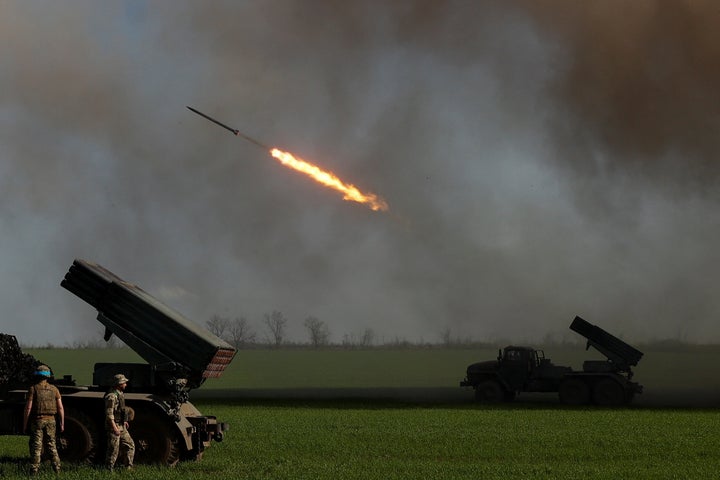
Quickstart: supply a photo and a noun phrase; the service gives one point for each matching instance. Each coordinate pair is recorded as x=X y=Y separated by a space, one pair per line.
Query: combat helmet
x=43 y=371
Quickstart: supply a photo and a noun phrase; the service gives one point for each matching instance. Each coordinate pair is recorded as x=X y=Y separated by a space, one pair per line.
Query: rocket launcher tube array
x=153 y=323
x=619 y=352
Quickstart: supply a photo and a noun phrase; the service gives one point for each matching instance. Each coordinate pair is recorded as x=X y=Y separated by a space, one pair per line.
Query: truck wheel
x=156 y=442
x=608 y=393
x=77 y=443
x=489 y=391
x=574 y=392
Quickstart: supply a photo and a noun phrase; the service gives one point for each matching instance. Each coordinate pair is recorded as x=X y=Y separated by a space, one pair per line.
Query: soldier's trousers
x=117 y=444
x=42 y=430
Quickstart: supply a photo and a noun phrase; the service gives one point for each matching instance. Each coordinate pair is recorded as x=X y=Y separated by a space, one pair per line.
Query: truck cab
x=517 y=369
x=516 y=366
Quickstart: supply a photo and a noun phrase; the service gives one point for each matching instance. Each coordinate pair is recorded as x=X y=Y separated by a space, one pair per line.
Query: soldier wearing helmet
x=43 y=404
x=116 y=424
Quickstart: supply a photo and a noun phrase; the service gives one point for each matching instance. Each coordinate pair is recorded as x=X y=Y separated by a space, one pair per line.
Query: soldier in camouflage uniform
x=43 y=404
x=117 y=426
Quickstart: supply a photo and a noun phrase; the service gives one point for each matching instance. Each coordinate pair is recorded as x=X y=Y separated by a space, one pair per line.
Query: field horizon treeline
x=396 y=343
x=273 y=331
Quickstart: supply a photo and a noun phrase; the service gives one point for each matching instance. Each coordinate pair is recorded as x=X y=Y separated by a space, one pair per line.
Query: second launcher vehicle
x=525 y=369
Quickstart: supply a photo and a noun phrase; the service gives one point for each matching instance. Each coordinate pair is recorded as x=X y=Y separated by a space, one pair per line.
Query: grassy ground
x=373 y=438
x=337 y=440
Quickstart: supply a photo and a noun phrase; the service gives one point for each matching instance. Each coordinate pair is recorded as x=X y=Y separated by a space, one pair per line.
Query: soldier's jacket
x=115 y=407
x=44 y=397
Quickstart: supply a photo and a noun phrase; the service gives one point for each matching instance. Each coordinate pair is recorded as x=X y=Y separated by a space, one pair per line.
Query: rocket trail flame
x=350 y=192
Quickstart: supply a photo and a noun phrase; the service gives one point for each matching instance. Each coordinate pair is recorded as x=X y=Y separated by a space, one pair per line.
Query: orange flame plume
x=350 y=192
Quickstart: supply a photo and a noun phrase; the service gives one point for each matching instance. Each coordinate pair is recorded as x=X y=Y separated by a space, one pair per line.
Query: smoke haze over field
x=540 y=160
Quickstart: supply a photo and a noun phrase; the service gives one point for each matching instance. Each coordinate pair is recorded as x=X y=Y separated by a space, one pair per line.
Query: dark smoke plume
x=547 y=159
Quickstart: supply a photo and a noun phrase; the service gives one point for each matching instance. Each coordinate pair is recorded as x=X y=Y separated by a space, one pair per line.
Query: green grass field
x=373 y=438
x=336 y=440
x=403 y=368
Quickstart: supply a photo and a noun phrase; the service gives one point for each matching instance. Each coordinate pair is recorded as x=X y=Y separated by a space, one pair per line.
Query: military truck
x=525 y=369
x=180 y=356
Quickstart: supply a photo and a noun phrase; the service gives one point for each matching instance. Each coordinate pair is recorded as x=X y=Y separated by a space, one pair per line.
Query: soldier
x=116 y=424
x=43 y=404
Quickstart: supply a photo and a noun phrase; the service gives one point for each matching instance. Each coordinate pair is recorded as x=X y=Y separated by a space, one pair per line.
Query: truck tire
x=156 y=441
x=574 y=391
x=78 y=443
x=608 y=393
x=489 y=391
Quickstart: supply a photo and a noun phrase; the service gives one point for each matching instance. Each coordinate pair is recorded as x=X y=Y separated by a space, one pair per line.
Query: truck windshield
x=514 y=356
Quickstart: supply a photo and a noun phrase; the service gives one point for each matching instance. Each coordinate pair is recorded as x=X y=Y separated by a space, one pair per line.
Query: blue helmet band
x=44 y=373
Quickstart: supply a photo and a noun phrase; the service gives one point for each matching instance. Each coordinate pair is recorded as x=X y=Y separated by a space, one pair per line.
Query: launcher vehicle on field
x=166 y=427
x=524 y=369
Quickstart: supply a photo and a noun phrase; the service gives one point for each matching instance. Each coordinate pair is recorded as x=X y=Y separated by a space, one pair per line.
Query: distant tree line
x=273 y=333
x=239 y=333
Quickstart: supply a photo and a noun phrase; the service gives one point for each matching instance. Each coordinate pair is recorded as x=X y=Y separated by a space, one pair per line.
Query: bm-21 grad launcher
x=524 y=369
x=180 y=356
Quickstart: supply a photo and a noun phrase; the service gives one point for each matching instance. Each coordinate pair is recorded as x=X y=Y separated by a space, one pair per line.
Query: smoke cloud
x=540 y=160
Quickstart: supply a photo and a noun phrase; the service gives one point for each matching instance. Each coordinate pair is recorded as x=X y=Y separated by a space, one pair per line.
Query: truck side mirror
x=499 y=354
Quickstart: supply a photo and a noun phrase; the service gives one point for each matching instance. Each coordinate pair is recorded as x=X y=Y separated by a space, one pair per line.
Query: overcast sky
x=541 y=160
